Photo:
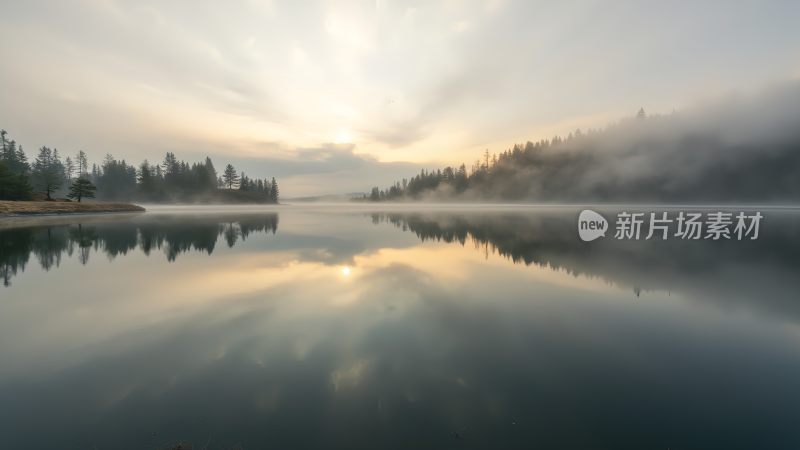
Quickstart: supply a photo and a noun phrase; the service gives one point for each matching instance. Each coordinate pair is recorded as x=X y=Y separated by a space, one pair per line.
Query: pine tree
x=22 y=161
x=273 y=191
x=3 y=134
x=243 y=182
x=81 y=188
x=69 y=168
x=147 y=179
x=116 y=179
x=210 y=181
x=171 y=165
x=83 y=163
x=13 y=186
x=229 y=176
x=48 y=173
x=9 y=153
x=15 y=160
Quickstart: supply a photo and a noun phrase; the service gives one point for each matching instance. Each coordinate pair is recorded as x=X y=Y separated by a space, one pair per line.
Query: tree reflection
x=172 y=235
x=721 y=270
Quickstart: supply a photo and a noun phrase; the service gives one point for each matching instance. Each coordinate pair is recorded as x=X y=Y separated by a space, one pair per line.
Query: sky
x=337 y=96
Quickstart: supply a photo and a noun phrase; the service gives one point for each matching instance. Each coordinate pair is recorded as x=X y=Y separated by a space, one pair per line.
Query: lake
x=401 y=327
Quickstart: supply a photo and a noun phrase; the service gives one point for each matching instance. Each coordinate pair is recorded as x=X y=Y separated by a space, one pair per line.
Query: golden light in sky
x=344 y=137
x=401 y=87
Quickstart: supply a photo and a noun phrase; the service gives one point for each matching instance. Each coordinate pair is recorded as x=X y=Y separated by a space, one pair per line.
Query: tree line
x=453 y=181
x=49 y=176
x=481 y=179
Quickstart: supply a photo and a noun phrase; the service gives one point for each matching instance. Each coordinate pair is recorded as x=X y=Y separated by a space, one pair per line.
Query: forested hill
x=742 y=149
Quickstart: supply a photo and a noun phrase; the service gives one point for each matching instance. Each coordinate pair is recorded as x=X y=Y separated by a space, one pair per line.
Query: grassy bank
x=14 y=208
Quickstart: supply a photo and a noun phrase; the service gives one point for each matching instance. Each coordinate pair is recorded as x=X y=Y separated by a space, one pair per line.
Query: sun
x=345 y=271
x=344 y=137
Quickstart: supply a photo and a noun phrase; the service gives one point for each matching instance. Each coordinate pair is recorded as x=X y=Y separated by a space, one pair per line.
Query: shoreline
x=11 y=208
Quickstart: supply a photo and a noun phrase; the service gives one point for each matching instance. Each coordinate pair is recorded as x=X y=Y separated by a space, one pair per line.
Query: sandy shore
x=14 y=208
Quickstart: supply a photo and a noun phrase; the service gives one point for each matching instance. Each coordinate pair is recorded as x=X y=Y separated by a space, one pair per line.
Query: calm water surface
x=300 y=327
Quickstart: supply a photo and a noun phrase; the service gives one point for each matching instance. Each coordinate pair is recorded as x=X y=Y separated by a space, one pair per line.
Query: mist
x=740 y=148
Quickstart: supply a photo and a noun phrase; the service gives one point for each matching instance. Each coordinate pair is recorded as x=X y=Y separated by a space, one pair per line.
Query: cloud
x=137 y=79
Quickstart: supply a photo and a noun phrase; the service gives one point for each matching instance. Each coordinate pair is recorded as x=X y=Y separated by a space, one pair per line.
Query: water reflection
x=757 y=274
x=342 y=331
x=171 y=234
